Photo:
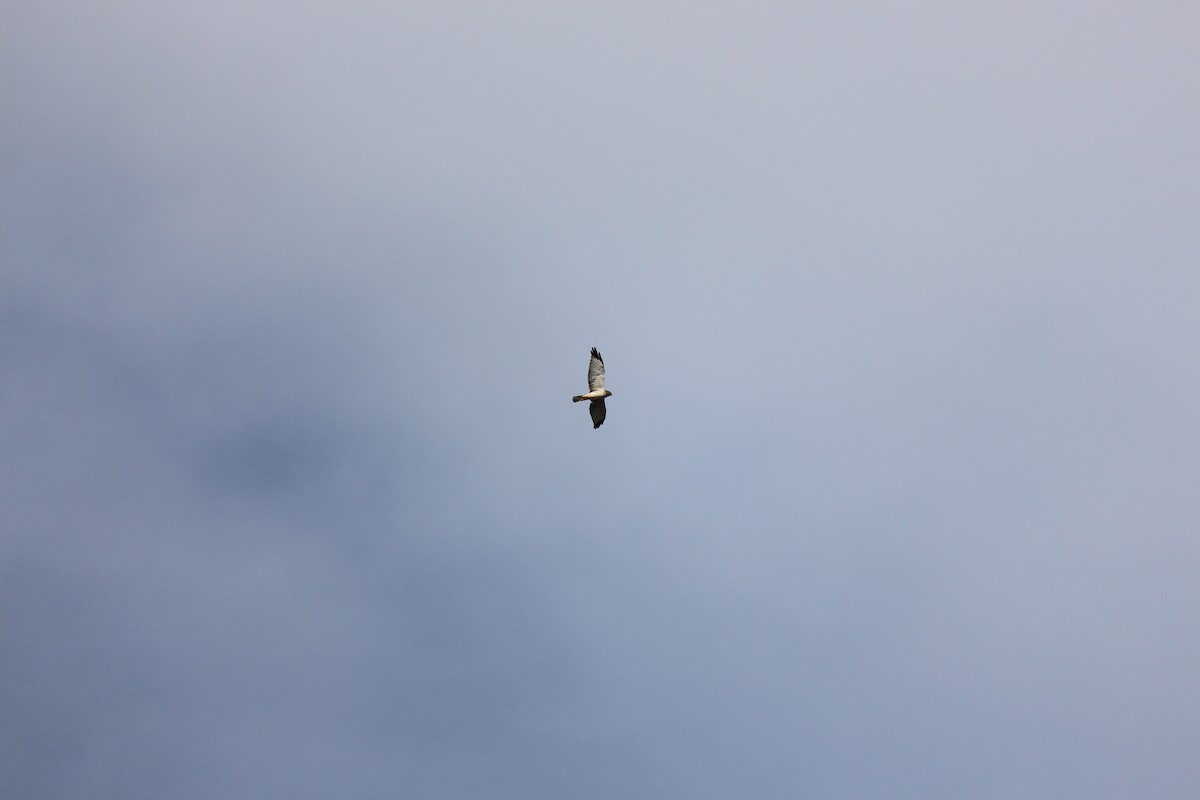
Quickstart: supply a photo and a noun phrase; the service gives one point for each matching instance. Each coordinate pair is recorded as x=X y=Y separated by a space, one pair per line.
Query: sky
x=896 y=497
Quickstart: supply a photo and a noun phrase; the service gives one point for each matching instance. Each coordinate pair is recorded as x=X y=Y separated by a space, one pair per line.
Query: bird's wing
x=597 y=410
x=595 y=372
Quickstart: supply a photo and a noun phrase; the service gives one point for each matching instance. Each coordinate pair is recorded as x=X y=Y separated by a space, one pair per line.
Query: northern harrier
x=596 y=391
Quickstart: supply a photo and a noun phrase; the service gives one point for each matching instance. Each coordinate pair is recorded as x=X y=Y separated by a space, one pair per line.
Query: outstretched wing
x=597 y=410
x=596 y=377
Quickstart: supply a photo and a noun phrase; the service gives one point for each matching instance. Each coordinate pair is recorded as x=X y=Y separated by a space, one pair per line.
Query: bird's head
x=607 y=393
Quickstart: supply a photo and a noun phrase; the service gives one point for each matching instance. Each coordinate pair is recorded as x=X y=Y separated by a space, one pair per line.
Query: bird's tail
x=576 y=398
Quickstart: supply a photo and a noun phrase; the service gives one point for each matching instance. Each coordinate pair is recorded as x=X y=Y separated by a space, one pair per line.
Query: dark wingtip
x=596 y=354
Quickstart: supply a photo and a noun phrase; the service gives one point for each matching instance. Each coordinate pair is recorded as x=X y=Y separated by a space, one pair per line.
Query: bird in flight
x=596 y=391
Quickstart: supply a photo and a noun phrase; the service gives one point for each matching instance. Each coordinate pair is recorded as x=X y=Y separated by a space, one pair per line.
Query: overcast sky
x=899 y=491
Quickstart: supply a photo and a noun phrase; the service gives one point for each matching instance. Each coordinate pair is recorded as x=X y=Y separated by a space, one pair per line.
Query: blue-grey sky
x=898 y=492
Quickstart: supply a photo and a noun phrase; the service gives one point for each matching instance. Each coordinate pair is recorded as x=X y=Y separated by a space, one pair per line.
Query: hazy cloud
x=896 y=495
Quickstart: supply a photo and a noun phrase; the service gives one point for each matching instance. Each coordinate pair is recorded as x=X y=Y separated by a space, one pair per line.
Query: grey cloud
x=895 y=496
